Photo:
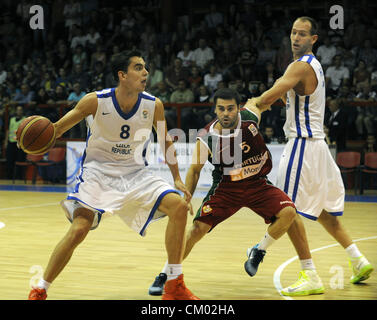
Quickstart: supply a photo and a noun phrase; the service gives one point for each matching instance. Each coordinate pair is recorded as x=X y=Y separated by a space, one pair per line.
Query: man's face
x=301 y=39
x=136 y=76
x=227 y=112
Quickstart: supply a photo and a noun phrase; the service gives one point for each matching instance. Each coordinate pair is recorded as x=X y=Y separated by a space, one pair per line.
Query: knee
x=289 y=214
x=179 y=209
x=77 y=234
x=199 y=229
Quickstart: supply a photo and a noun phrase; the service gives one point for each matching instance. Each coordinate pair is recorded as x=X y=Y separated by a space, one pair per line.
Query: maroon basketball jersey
x=240 y=154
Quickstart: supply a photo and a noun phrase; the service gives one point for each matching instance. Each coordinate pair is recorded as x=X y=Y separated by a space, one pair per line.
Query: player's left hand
x=181 y=187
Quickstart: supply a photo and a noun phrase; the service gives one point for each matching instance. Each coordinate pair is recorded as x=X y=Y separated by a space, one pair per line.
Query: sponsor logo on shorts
x=207 y=209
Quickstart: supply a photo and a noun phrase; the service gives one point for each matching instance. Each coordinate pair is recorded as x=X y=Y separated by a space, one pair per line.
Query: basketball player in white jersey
x=307 y=171
x=114 y=178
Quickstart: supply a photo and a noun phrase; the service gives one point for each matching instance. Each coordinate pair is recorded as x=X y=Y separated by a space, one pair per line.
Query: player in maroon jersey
x=233 y=144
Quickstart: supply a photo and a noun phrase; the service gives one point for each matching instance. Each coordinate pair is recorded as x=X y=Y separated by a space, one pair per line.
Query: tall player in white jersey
x=114 y=177
x=307 y=171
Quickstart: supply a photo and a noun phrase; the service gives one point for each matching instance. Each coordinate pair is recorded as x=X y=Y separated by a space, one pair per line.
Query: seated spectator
x=97 y=76
x=25 y=96
x=195 y=77
x=153 y=55
x=284 y=55
x=92 y=38
x=336 y=75
x=367 y=115
x=80 y=57
x=128 y=21
x=245 y=68
x=78 y=75
x=370 y=144
x=368 y=54
x=204 y=114
x=175 y=73
x=269 y=75
x=98 y=56
x=155 y=76
x=3 y=74
x=79 y=38
x=336 y=122
x=63 y=79
x=212 y=78
x=266 y=53
x=186 y=55
x=181 y=95
x=361 y=76
x=326 y=52
x=79 y=130
x=32 y=80
x=269 y=135
x=63 y=57
x=214 y=17
x=59 y=95
x=203 y=55
x=162 y=92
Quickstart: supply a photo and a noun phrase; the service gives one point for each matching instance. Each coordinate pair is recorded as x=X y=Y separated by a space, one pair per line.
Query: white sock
x=173 y=271
x=165 y=268
x=307 y=264
x=43 y=284
x=266 y=242
x=353 y=251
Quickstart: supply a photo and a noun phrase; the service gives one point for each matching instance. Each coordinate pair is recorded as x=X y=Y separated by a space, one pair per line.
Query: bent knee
x=178 y=209
x=288 y=213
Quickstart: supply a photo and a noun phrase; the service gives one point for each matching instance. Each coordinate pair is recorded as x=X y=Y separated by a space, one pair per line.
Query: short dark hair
x=314 y=24
x=122 y=60
x=227 y=94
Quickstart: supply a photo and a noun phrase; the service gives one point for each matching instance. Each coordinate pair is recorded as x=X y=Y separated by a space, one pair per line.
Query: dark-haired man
x=307 y=172
x=114 y=177
x=233 y=144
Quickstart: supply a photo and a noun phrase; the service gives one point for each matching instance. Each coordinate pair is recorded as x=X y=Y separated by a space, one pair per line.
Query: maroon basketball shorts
x=225 y=199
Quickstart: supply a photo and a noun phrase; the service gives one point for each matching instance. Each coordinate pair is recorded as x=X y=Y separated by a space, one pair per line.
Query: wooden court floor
x=115 y=263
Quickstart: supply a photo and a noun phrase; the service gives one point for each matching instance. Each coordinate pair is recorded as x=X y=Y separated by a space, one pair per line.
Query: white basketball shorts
x=134 y=198
x=310 y=177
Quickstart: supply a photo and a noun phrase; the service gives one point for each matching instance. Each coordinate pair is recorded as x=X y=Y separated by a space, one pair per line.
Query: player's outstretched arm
x=292 y=76
x=85 y=107
x=166 y=143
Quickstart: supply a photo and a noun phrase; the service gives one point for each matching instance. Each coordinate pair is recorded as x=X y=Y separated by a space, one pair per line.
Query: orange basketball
x=36 y=135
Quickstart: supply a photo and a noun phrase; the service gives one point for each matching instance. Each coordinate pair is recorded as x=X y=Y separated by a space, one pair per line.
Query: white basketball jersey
x=305 y=114
x=117 y=142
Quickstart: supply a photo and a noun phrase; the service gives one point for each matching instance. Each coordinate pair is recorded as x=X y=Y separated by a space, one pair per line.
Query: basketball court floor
x=115 y=263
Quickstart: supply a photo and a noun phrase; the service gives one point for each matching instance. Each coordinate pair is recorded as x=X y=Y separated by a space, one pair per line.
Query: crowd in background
x=242 y=45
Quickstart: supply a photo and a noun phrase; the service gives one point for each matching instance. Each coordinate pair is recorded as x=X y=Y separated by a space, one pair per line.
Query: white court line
x=280 y=269
x=31 y=206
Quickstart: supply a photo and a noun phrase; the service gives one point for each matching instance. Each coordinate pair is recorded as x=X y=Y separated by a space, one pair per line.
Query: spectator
x=269 y=135
x=128 y=21
x=368 y=54
x=92 y=38
x=361 y=76
x=152 y=55
x=370 y=144
x=98 y=76
x=164 y=37
x=175 y=73
x=355 y=32
x=258 y=34
x=212 y=78
x=284 y=55
x=269 y=75
x=275 y=33
x=367 y=115
x=326 y=52
x=98 y=56
x=266 y=53
x=195 y=77
x=79 y=38
x=48 y=82
x=63 y=79
x=80 y=57
x=232 y=16
x=182 y=95
x=72 y=15
x=214 y=17
x=78 y=75
x=79 y=130
x=63 y=57
x=3 y=74
x=336 y=75
x=13 y=153
x=155 y=76
x=162 y=92
x=186 y=55
x=167 y=57
x=203 y=55
x=203 y=114
x=25 y=96
x=59 y=95
x=373 y=79
x=336 y=123
x=148 y=38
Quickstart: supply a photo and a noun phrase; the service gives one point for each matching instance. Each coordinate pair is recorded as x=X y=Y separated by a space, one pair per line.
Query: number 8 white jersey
x=117 y=142
x=305 y=114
